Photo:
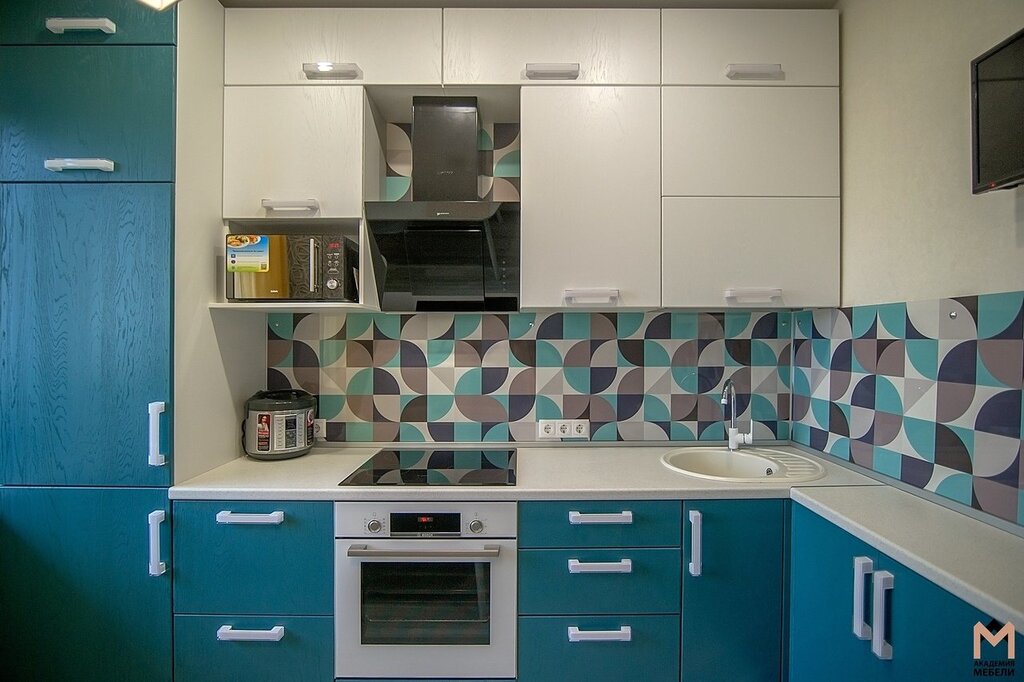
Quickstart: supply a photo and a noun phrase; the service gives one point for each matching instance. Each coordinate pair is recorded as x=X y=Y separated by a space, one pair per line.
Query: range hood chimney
x=445 y=161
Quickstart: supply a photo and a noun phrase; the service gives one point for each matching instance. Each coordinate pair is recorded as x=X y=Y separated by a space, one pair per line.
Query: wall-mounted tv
x=997 y=108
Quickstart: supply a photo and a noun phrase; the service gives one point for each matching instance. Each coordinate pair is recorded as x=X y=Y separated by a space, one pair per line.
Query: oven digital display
x=403 y=523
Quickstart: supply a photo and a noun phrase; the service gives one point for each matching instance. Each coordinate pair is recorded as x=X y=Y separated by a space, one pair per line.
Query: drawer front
x=700 y=44
x=493 y=46
x=77 y=102
x=626 y=523
x=24 y=22
x=554 y=581
x=251 y=564
x=305 y=650
x=757 y=142
x=389 y=46
x=651 y=654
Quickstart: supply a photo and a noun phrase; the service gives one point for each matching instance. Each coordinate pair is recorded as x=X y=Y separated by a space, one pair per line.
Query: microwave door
x=271 y=284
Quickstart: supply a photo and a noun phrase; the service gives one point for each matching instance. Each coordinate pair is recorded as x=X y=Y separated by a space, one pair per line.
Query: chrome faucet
x=736 y=439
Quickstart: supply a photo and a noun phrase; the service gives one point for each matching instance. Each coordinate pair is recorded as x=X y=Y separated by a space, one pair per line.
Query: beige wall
x=911 y=227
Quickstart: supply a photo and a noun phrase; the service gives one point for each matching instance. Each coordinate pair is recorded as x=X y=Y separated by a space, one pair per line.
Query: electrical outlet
x=319 y=429
x=579 y=428
x=563 y=427
x=546 y=429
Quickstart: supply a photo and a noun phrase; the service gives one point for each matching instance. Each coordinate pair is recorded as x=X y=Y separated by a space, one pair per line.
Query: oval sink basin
x=749 y=465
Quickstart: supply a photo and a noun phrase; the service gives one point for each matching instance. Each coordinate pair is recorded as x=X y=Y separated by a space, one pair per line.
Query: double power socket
x=556 y=429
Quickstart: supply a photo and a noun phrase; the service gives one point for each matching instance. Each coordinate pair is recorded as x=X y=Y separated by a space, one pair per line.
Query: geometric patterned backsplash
x=926 y=392
x=490 y=377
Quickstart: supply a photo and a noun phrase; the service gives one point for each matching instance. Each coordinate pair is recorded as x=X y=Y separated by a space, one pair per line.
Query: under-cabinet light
x=159 y=4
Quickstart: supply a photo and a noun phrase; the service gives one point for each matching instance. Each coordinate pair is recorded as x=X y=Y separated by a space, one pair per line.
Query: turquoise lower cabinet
x=733 y=583
x=24 y=22
x=619 y=523
x=254 y=649
x=85 y=318
x=598 y=649
x=77 y=597
x=922 y=631
x=254 y=558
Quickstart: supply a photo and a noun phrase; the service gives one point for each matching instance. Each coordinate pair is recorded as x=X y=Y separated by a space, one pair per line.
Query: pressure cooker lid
x=282 y=399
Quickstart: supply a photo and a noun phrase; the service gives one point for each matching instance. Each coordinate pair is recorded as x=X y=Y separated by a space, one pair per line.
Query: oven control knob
x=332 y=284
x=374 y=526
x=476 y=526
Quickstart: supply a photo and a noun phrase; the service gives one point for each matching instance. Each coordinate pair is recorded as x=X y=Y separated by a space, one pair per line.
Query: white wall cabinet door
x=293 y=144
x=750 y=141
x=700 y=46
x=494 y=46
x=591 y=213
x=749 y=252
x=387 y=46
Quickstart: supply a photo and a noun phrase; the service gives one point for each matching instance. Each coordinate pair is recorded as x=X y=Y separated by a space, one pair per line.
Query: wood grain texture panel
x=75 y=590
x=23 y=22
x=113 y=103
x=85 y=331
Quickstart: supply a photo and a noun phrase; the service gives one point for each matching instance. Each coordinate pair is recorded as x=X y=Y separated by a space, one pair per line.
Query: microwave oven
x=290 y=267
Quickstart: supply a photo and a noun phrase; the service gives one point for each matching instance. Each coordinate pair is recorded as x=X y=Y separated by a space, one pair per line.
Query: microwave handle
x=314 y=261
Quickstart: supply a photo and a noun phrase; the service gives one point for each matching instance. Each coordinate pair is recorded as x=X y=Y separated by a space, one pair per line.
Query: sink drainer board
x=749 y=465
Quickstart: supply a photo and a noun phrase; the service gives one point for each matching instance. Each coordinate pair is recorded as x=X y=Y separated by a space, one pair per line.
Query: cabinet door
x=494 y=46
x=86 y=326
x=25 y=23
x=735 y=252
x=700 y=45
x=732 y=610
x=84 y=102
x=78 y=599
x=387 y=46
x=293 y=143
x=590 y=194
x=750 y=142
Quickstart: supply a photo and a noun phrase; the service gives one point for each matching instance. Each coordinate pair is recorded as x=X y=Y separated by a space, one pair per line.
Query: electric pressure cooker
x=278 y=424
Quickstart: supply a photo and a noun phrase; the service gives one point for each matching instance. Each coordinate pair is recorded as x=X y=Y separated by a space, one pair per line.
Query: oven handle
x=488 y=552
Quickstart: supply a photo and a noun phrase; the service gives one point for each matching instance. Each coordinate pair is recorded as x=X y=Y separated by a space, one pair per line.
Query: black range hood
x=445 y=250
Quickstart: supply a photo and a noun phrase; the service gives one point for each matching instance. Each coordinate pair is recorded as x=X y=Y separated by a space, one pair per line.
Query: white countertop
x=979 y=563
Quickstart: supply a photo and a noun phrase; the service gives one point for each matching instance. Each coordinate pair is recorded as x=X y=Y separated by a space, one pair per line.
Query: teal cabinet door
x=85 y=325
x=625 y=523
x=732 y=607
x=76 y=594
x=113 y=103
x=24 y=22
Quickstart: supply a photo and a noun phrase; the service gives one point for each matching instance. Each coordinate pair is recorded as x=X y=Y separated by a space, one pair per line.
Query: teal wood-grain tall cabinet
x=86 y=225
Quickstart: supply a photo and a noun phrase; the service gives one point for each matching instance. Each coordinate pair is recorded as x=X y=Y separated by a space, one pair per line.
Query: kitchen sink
x=749 y=465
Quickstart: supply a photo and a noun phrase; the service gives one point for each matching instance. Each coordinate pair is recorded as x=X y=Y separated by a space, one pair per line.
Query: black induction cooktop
x=437 y=466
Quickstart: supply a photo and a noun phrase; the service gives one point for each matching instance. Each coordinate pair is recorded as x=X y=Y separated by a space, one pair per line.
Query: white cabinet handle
x=881 y=585
x=316 y=71
x=591 y=296
x=156 y=567
x=623 y=634
x=567 y=71
x=59 y=165
x=621 y=566
x=696 y=540
x=156 y=458
x=622 y=517
x=307 y=205
x=60 y=24
x=755 y=72
x=226 y=633
x=862 y=567
x=274 y=518
x=761 y=295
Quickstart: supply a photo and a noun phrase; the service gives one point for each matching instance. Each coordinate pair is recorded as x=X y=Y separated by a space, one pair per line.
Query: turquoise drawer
x=638 y=524
x=254 y=568
x=547 y=655
x=305 y=650
x=547 y=587
x=23 y=22
x=115 y=104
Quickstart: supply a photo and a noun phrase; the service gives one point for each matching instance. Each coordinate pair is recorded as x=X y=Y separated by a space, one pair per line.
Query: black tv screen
x=997 y=85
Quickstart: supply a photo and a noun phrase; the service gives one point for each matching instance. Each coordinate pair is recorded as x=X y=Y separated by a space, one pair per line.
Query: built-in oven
x=425 y=589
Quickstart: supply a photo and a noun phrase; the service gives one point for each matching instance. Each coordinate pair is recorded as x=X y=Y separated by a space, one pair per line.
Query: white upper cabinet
x=750 y=47
x=591 y=214
x=367 y=46
x=750 y=141
x=293 y=152
x=559 y=46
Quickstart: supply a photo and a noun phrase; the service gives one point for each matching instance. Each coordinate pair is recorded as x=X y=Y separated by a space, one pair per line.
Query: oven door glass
x=426 y=603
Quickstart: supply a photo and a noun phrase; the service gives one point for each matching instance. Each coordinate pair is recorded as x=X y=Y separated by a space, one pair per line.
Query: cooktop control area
x=428 y=466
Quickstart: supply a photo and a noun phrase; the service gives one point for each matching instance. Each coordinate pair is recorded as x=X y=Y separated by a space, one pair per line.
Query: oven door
x=425 y=608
